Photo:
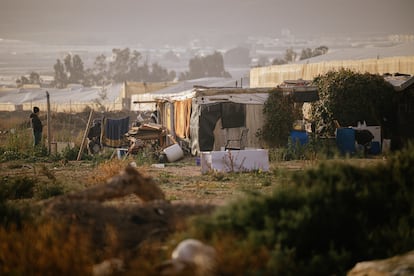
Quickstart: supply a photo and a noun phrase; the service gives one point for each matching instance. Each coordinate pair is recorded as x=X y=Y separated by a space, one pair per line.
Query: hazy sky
x=164 y=20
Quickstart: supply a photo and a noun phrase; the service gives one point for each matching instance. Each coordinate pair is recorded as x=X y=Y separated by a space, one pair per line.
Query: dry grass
x=106 y=170
x=65 y=249
x=45 y=249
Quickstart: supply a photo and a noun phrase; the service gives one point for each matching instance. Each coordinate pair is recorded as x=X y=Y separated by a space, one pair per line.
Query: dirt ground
x=180 y=181
x=154 y=202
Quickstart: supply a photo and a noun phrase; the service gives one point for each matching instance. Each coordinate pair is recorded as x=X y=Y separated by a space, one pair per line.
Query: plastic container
x=300 y=136
x=375 y=148
x=345 y=140
x=173 y=153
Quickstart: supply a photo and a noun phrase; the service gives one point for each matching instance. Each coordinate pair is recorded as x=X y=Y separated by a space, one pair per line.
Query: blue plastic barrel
x=375 y=147
x=345 y=140
x=300 y=136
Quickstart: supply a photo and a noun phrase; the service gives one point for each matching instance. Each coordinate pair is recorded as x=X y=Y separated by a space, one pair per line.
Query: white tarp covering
x=180 y=91
x=78 y=94
x=235 y=161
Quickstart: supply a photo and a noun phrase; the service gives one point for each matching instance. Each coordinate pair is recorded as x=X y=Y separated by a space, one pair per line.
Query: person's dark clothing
x=364 y=137
x=37 y=128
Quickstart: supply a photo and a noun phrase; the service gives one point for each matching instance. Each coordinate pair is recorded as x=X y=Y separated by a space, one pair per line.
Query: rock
x=190 y=257
x=402 y=265
x=108 y=267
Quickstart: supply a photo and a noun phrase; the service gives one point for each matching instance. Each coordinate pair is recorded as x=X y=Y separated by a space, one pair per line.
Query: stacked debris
x=144 y=135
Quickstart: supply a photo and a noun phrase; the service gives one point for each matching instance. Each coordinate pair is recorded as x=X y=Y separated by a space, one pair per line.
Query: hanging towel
x=113 y=132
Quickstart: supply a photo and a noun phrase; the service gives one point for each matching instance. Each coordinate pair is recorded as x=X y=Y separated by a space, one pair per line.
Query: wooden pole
x=49 y=135
x=84 y=136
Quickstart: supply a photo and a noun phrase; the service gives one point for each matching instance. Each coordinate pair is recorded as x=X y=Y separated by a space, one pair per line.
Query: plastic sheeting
x=274 y=75
x=72 y=99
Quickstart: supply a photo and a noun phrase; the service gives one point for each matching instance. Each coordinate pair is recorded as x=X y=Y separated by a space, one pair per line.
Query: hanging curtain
x=113 y=132
x=182 y=114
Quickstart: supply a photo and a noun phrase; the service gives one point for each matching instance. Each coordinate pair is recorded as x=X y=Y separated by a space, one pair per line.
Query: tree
x=214 y=65
x=208 y=66
x=34 y=78
x=158 y=73
x=350 y=97
x=280 y=113
x=73 y=68
x=196 y=67
x=290 y=55
x=133 y=64
x=144 y=72
x=60 y=77
x=22 y=81
x=77 y=72
x=125 y=67
x=278 y=61
x=68 y=66
x=309 y=53
x=119 y=67
x=321 y=50
x=100 y=70
x=306 y=53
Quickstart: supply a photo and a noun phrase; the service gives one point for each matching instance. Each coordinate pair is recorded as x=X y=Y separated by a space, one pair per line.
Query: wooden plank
x=85 y=134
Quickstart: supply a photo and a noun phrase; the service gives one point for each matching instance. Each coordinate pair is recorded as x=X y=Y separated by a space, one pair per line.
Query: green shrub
x=47 y=191
x=71 y=154
x=14 y=188
x=279 y=112
x=325 y=219
x=349 y=97
x=315 y=148
x=11 y=155
x=9 y=215
x=17 y=187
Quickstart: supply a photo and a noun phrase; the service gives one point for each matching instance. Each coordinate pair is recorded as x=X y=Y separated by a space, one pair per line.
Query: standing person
x=36 y=126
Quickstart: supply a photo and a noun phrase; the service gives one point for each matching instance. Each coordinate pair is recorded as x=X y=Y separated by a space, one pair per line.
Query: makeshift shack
x=208 y=118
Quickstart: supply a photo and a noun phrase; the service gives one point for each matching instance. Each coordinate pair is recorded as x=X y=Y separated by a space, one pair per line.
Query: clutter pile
x=144 y=135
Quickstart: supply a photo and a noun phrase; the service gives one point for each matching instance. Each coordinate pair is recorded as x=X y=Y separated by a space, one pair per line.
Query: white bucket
x=173 y=153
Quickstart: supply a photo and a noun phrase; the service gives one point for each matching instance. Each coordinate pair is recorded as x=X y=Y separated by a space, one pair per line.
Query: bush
x=9 y=215
x=11 y=155
x=280 y=114
x=17 y=187
x=324 y=221
x=48 y=191
x=10 y=189
x=349 y=97
x=71 y=154
x=314 y=149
